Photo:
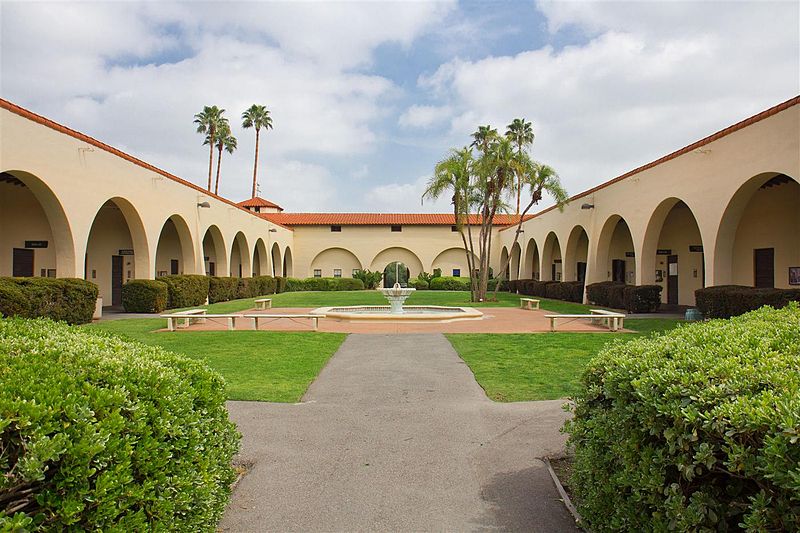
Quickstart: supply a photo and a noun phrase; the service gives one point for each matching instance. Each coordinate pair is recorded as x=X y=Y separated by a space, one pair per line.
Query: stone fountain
x=397 y=294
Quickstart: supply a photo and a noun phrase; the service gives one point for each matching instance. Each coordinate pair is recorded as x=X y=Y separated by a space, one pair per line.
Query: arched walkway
x=503 y=259
x=552 y=268
x=175 y=249
x=575 y=255
x=288 y=267
x=404 y=255
x=329 y=261
x=215 y=259
x=516 y=252
x=530 y=265
x=240 y=257
x=616 y=259
x=276 y=260
x=260 y=260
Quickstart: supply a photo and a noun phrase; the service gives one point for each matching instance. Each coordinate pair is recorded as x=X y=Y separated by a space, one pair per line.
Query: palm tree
x=520 y=132
x=256 y=117
x=207 y=122
x=224 y=141
x=482 y=137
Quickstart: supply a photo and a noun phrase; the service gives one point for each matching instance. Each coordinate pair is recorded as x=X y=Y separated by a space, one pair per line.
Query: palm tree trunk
x=255 y=166
x=219 y=164
x=210 y=157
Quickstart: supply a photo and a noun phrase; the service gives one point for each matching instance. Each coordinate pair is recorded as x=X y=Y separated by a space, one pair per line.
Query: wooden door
x=22 y=263
x=618 y=270
x=764 y=267
x=672 y=279
x=117 y=264
x=173 y=266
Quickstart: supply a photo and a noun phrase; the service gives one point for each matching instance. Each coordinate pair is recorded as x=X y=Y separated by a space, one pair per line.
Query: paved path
x=396 y=435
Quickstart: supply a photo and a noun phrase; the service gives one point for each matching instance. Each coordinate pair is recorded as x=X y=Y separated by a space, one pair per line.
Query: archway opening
x=36 y=239
x=396 y=272
x=453 y=262
x=240 y=258
x=215 y=260
x=552 y=265
x=175 y=251
x=260 y=260
x=530 y=266
x=403 y=255
x=615 y=253
x=288 y=267
x=575 y=255
x=503 y=259
x=277 y=264
x=516 y=252
x=116 y=250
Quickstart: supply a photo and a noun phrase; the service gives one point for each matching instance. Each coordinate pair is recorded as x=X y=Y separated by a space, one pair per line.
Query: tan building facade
x=724 y=210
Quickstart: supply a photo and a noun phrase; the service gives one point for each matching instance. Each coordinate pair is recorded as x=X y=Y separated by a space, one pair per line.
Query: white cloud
x=404 y=198
x=424 y=116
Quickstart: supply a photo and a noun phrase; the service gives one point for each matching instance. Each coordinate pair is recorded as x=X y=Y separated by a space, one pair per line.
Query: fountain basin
x=410 y=313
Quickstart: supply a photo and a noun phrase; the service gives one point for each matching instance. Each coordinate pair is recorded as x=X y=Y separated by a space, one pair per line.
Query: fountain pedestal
x=396 y=296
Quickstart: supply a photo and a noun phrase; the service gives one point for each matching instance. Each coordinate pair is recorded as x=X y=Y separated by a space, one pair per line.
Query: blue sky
x=367 y=96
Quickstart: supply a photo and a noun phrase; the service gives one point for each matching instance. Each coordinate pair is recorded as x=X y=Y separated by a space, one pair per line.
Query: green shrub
x=99 y=434
x=419 y=284
x=569 y=291
x=642 y=298
x=370 y=279
x=68 y=299
x=280 y=284
x=185 y=290
x=222 y=289
x=607 y=294
x=144 y=296
x=448 y=283
x=295 y=285
x=264 y=285
x=437 y=273
x=514 y=286
x=724 y=301
x=324 y=284
x=693 y=430
x=348 y=284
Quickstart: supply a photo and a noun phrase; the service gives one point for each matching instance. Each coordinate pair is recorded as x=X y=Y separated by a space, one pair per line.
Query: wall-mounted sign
x=35 y=244
x=126 y=251
x=663 y=252
x=695 y=247
x=630 y=254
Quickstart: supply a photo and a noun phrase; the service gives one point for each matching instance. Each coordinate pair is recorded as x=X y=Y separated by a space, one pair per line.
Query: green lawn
x=541 y=366
x=257 y=365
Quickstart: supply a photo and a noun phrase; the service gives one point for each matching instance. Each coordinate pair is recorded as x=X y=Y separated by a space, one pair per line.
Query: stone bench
x=612 y=319
x=255 y=318
x=263 y=304
x=190 y=316
x=528 y=303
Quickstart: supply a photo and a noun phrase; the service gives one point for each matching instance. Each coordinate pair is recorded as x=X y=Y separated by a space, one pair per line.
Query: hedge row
x=450 y=283
x=324 y=284
x=694 y=430
x=100 y=434
x=724 y=301
x=570 y=291
x=145 y=296
x=187 y=290
x=632 y=298
x=68 y=299
x=225 y=289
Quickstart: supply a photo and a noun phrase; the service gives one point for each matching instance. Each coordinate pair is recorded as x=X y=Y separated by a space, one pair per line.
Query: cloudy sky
x=366 y=97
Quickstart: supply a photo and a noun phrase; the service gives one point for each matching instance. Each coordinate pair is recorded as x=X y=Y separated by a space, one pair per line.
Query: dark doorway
x=173 y=266
x=212 y=269
x=117 y=263
x=618 y=270
x=553 y=272
x=580 y=268
x=23 y=263
x=672 y=279
x=764 y=267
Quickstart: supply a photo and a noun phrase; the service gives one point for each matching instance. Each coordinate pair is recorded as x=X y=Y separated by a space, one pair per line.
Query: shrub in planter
x=642 y=298
x=448 y=283
x=419 y=284
x=100 y=434
x=68 y=299
x=186 y=290
x=222 y=289
x=693 y=430
x=724 y=301
x=144 y=296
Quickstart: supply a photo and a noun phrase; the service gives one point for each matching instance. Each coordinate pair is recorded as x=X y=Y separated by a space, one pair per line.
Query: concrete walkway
x=395 y=434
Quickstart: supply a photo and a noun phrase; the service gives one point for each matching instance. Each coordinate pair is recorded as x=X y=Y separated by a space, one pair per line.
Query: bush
x=642 y=298
x=514 y=286
x=693 y=430
x=144 y=296
x=607 y=294
x=280 y=284
x=187 y=290
x=101 y=434
x=294 y=285
x=369 y=279
x=725 y=301
x=68 y=299
x=324 y=284
x=348 y=284
x=222 y=289
x=419 y=284
x=448 y=283
x=570 y=291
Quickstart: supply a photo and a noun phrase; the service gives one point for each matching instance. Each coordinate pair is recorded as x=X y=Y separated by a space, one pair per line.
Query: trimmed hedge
x=570 y=291
x=324 y=284
x=696 y=429
x=419 y=284
x=632 y=298
x=222 y=289
x=449 y=283
x=69 y=299
x=101 y=434
x=725 y=301
x=186 y=290
x=144 y=296
x=281 y=284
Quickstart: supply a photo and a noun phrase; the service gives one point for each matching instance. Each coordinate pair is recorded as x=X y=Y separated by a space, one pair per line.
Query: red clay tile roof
x=377 y=219
x=259 y=202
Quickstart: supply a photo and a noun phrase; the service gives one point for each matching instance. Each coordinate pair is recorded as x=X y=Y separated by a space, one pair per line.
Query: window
x=337 y=272
x=317 y=273
x=397 y=228
x=456 y=272
x=454 y=228
x=336 y=229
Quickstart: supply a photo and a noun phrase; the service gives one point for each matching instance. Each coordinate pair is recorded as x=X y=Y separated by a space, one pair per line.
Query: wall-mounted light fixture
x=204 y=205
x=273 y=230
x=587 y=206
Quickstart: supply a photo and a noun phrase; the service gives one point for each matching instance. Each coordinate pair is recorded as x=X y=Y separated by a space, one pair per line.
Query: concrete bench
x=613 y=320
x=528 y=303
x=264 y=303
x=314 y=319
x=189 y=316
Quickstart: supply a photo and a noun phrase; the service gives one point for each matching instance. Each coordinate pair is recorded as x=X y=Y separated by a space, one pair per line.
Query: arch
x=288 y=266
x=30 y=210
x=451 y=260
x=516 y=253
x=552 y=267
x=397 y=253
x=335 y=258
x=260 y=260
x=174 y=249
x=530 y=267
x=762 y=215
x=575 y=254
x=116 y=249
x=240 y=257
x=673 y=227
x=215 y=258
x=503 y=259
x=276 y=260
x=614 y=249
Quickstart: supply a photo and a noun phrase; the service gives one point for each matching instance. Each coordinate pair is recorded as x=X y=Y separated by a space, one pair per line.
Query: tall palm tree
x=207 y=122
x=256 y=117
x=521 y=133
x=224 y=141
x=482 y=137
